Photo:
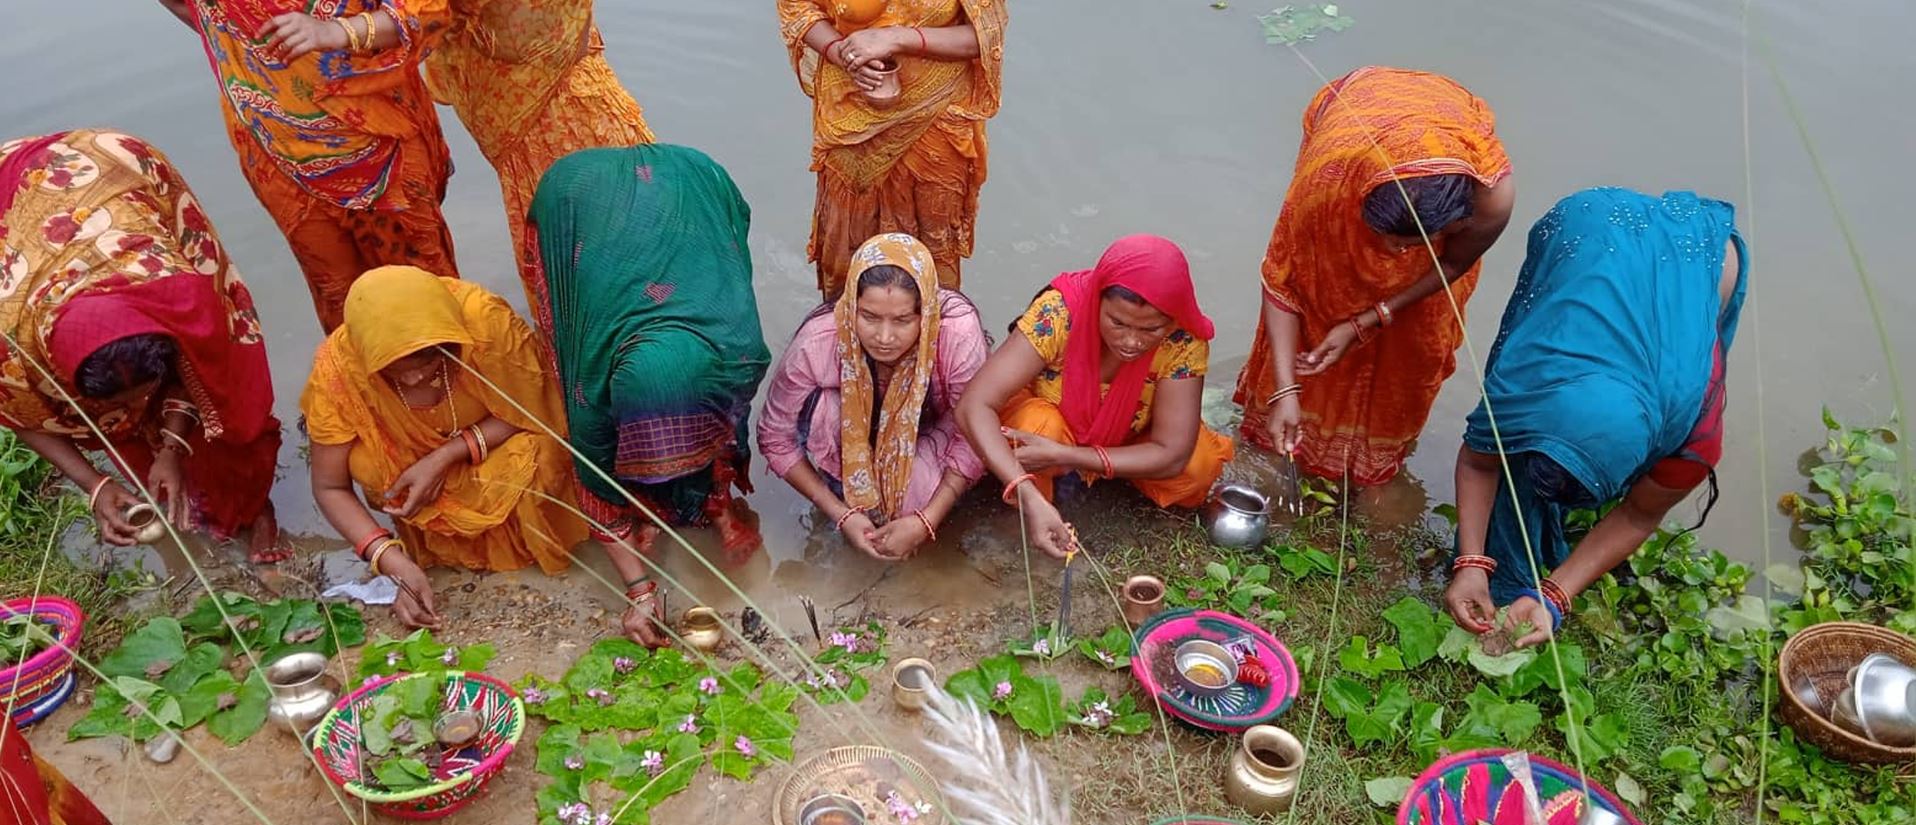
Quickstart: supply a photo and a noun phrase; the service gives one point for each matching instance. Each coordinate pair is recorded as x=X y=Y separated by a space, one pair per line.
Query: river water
x=1174 y=117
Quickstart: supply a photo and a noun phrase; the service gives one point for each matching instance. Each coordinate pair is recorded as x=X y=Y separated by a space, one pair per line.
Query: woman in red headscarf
x=1118 y=397
x=126 y=326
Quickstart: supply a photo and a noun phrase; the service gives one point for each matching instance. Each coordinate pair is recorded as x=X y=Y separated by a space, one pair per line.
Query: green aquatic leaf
x=1358 y=658
x=1388 y=791
x=1037 y=705
x=247 y=714
x=149 y=652
x=1291 y=25
x=1418 y=629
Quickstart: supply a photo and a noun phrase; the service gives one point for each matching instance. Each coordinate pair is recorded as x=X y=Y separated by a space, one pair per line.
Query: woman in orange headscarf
x=334 y=131
x=530 y=81
x=900 y=101
x=434 y=398
x=1390 y=157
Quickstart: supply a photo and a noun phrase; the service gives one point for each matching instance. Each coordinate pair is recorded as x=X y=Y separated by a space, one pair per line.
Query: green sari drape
x=654 y=325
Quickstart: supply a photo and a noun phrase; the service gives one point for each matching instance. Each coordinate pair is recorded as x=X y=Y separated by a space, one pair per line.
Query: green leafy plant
x=1230 y=586
x=1045 y=643
x=850 y=651
x=155 y=668
x=397 y=731
x=419 y=652
x=1000 y=685
x=1104 y=714
x=22 y=637
x=1302 y=561
x=1111 y=650
x=1296 y=24
x=631 y=727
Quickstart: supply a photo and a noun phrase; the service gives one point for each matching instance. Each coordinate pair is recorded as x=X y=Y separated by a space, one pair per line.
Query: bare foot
x=266 y=545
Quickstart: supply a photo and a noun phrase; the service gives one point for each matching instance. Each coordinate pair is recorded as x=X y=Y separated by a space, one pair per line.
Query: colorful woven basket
x=38 y=685
x=337 y=744
x=1474 y=787
x=1234 y=710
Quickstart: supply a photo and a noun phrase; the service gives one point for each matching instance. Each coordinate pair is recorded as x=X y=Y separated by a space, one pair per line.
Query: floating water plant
x=1291 y=25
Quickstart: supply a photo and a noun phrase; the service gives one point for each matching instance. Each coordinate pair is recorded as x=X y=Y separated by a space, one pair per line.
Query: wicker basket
x=336 y=743
x=37 y=686
x=1819 y=659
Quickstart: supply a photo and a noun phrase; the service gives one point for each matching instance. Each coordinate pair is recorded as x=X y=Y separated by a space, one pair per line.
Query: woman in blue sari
x=1606 y=383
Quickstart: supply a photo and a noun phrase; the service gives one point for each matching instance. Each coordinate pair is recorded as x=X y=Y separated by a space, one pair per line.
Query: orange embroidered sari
x=1325 y=264
x=530 y=81
x=915 y=166
x=343 y=150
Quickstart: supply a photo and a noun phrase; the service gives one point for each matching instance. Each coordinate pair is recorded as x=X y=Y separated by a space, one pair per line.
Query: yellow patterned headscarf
x=876 y=473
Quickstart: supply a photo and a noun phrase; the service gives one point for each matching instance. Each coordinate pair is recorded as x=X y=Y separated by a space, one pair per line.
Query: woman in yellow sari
x=468 y=473
x=907 y=159
x=530 y=81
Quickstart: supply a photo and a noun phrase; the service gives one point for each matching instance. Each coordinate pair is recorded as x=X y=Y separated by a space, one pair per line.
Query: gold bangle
x=367 y=46
x=372 y=562
x=484 y=449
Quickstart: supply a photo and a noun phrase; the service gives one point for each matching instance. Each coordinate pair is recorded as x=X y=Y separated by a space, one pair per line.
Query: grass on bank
x=36 y=511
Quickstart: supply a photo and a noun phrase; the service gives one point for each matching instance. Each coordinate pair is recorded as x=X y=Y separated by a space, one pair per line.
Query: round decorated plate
x=1237 y=708
x=885 y=784
x=1475 y=786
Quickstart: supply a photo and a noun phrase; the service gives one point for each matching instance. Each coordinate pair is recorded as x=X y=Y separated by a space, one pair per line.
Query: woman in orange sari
x=898 y=123
x=1390 y=157
x=530 y=81
x=335 y=132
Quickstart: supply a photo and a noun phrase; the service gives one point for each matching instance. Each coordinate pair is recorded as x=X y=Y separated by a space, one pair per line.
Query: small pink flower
x=653 y=763
x=450 y=657
x=605 y=697
x=745 y=747
x=848 y=641
x=574 y=762
x=1001 y=692
x=392 y=659
x=1042 y=647
x=905 y=811
x=623 y=664
x=534 y=696
x=710 y=686
x=689 y=725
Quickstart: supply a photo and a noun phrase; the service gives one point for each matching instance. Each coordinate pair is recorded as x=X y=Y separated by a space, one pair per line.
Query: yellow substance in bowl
x=1206 y=674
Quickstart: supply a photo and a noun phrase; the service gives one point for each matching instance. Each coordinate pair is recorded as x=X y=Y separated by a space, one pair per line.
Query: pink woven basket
x=336 y=743
x=42 y=674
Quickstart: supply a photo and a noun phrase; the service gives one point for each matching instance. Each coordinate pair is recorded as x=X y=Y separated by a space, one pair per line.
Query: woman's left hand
x=1037 y=453
x=167 y=482
x=419 y=485
x=1528 y=611
x=1329 y=350
x=901 y=538
x=869 y=45
x=293 y=35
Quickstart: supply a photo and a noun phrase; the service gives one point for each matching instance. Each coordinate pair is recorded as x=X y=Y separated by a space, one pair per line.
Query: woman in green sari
x=656 y=335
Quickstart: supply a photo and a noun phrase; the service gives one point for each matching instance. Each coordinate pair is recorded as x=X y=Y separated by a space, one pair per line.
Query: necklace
x=445 y=395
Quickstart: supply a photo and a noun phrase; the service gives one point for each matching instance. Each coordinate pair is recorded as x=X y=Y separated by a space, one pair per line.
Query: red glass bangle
x=1478 y=561
x=367 y=542
x=839 y=525
x=1554 y=592
x=923 y=45
x=1104 y=458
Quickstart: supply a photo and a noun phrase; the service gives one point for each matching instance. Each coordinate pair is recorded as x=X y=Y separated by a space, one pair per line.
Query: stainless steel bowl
x=1199 y=655
x=1237 y=516
x=1882 y=688
x=831 y=809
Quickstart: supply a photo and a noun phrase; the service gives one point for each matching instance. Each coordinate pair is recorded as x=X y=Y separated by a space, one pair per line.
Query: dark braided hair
x=1440 y=200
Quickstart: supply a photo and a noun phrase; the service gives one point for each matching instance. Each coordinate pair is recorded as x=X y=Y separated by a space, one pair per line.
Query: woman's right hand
x=1045 y=527
x=412 y=612
x=640 y=622
x=862 y=534
x=293 y=35
x=109 y=513
x=1284 y=424
x=1468 y=598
